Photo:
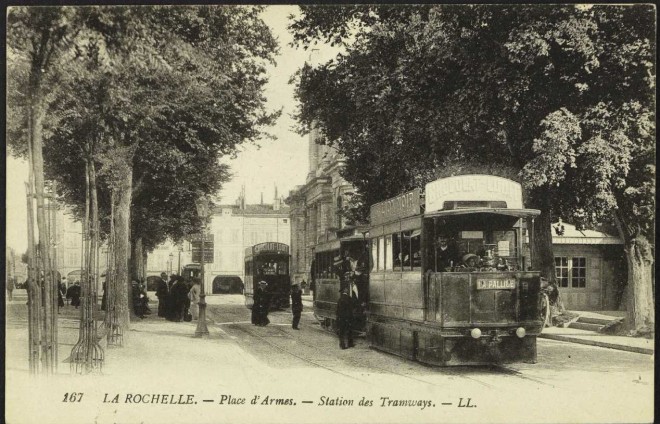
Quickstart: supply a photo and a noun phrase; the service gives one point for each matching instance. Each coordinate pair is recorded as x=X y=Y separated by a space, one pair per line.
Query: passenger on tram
x=471 y=261
x=446 y=254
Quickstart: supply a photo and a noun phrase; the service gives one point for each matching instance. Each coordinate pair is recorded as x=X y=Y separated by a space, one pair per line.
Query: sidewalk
x=595 y=338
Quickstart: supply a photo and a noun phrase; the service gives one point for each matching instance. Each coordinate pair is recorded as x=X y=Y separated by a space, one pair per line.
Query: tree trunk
x=541 y=247
x=33 y=291
x=49 y=344
x=640 y=307
x=136 y=259
x=122 y=246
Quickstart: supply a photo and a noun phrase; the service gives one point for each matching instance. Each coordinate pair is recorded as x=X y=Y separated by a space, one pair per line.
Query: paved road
x=314 y=381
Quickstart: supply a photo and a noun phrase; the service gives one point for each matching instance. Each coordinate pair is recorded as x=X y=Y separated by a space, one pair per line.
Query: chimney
x=276 y=201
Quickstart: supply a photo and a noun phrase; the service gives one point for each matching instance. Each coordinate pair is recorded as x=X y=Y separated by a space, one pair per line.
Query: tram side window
x=374 y=255
x=381 y=253
x=388 y=253
x=416 y=250
x=397 y=253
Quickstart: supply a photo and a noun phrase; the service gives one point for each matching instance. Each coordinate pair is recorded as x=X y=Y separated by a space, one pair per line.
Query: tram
x=341 y=260
x=450 y=285
x=191 y=272
x=268 y=262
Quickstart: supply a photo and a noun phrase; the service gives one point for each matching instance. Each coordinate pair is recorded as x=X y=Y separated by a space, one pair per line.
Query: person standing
x=61 y=292
x=73 y=293
x=178 y=296
x=193 y=295
x=345 y=319
x=162 y=292
x=261 y=305
x=296 y=305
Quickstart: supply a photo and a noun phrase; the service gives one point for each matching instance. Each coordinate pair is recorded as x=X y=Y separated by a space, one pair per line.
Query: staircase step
x=599 y=321
x=585 y=326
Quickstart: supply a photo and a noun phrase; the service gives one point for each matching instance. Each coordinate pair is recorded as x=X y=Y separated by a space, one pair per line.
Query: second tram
x=268 y=262
x=341 y=261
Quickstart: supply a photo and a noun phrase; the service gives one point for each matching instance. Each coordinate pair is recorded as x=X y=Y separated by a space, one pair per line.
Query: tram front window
x=463 y=246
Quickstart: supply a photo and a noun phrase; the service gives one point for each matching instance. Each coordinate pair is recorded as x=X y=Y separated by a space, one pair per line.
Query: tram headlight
x=475 y=333
x=520 y=332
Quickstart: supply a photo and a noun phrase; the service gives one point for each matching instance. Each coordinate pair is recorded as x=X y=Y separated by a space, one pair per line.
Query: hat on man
x=263 y=283
x=164 y=275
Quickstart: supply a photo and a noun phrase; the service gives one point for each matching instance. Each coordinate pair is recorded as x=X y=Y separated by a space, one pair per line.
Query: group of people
x=177 y=298
x=448 y=258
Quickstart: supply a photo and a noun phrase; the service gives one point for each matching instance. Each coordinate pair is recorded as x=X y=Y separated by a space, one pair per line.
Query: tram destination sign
x=496 y=283
x=402 y=206
x=270 y=247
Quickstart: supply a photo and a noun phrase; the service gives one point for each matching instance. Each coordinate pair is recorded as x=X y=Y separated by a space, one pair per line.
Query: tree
x=166 y=91
x=37 y=38
x=420 y=89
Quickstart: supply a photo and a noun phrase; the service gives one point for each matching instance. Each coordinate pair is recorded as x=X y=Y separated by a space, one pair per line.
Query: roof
x=574 y=236
x=520 y=213
x=258 y=209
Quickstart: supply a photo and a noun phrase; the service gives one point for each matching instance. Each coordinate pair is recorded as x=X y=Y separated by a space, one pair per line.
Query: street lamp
x=179 y=267
x=171 y=264
x=202 y=205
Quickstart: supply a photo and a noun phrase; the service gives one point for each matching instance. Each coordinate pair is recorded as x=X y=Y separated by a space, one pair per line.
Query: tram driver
x=446 y=253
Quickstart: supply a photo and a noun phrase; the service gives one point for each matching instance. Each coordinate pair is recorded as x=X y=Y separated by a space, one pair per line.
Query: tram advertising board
x=402 y=206
x=472 y=188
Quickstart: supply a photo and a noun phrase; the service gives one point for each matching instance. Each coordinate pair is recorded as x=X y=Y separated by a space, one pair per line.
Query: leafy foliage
x=166 y=91
x=422 y=90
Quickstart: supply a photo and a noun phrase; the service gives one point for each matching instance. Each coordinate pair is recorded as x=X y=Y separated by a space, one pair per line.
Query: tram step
x=585 y=326
x=599 y=321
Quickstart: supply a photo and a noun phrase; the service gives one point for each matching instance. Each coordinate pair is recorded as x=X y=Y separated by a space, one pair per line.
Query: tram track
x=350 y=361
x=510 y=371
x=287 y=351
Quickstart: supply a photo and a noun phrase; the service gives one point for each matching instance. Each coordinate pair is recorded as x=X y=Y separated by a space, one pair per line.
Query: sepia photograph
x=329 y=213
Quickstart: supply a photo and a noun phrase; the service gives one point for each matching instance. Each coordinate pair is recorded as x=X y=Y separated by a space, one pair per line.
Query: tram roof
x=519 y=213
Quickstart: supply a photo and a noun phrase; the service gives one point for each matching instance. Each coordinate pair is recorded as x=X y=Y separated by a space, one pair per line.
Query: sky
x=282 y=162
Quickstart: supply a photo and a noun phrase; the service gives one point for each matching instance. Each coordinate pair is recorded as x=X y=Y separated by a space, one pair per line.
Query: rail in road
x=278 y=333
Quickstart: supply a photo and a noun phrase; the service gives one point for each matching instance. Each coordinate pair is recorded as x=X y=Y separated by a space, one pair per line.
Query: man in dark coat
x=178 y=297
x=345 y=319
x=73 y=293
x=446 y=254
x=296 y=305
x=162 y=291
x=261 y=305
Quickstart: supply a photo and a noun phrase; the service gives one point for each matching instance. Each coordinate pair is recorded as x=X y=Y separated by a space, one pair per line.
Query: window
x=388 y=253
x=579 y=272
x=416 y=249
x=397 y=254
x=374 y=255
x=381 y=254
x=571 y=272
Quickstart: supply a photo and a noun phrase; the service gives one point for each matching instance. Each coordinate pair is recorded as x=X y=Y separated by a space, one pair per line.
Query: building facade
x=316 y=205
x=232 y=228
